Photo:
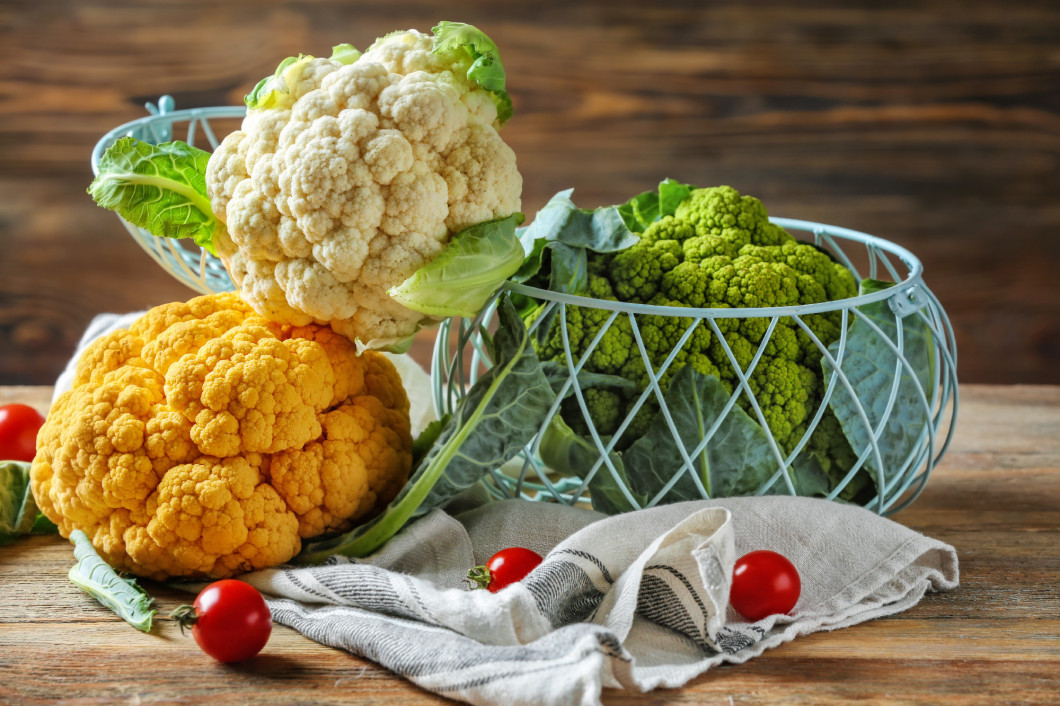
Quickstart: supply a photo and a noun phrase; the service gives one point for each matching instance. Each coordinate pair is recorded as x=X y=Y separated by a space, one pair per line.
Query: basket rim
x=906 y=288
x=111 y=136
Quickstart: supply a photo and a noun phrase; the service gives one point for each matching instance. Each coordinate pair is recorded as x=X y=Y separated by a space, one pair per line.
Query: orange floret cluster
x=205 y=441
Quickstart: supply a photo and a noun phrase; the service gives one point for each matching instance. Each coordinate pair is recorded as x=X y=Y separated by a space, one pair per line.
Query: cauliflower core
x=362 y=181
x=205 y=441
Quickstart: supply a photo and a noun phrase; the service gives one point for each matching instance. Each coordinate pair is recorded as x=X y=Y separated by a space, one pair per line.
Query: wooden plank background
x=935 y=124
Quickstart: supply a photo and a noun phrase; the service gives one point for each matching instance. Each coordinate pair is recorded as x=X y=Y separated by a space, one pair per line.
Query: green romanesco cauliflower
x=717 y=250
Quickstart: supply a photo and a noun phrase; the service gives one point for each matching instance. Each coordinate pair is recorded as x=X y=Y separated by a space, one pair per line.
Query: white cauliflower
x=347 y=178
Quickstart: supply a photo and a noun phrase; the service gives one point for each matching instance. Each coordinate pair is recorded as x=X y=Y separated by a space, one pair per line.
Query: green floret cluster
x=719 y=250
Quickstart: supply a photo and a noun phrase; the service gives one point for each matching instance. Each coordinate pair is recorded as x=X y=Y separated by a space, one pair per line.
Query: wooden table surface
x=996 y=639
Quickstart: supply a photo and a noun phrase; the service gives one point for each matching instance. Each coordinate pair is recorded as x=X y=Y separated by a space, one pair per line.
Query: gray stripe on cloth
x=563 y=592
x=443 y=662
x=659 y=603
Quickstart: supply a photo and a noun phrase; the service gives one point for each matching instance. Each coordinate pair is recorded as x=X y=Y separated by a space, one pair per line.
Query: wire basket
x=461 y=356
x=187 y=262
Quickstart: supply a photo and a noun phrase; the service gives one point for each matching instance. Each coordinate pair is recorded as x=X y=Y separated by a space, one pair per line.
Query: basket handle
x=165 y=106
x=907 y=301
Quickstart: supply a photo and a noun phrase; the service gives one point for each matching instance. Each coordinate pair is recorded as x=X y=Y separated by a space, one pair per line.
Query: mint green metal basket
x=461 y=356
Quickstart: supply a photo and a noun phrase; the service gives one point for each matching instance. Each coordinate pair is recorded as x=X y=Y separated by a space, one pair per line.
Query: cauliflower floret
x=213 y=517
x=206 y=441
x=356 y=182
x=338 y=477
x=718 y=250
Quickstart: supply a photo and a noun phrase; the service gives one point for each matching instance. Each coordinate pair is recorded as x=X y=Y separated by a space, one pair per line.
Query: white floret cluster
x=359 y=183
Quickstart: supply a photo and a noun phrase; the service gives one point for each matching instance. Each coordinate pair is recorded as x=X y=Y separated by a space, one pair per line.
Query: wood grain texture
x=935 y=124
x=996 y=639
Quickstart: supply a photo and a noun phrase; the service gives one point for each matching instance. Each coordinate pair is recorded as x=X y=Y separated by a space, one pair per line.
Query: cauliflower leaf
x=95 y=577
x=486 y=68
x=344 y=53
x=611 y=489
x=275 y=91
x=18 y=510
x=569 y=232
x=890 y=410
x=461 y=280
x=161 y=188
x=644 y=209
x=729 y=452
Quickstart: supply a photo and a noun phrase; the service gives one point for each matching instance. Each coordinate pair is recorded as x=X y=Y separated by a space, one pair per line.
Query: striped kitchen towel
x=635 y=601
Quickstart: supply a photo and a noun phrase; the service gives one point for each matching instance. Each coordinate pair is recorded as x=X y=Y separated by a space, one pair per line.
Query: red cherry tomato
x=19 y=424
x=764 y=583
x=229 y=620
x=503 y=569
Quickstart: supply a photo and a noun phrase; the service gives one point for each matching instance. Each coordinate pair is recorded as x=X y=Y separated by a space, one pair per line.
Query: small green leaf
x=671 y=194
x=569 y=269
x=640 y=211
x=161 y=188
x=96 y=578
x=644 y=209
x=275 y=91
x=18 y=510
x=495 y=420
x=393 y=344
x=470 y=270
x=42 y=525
x=344 y=53
x=486 y=68
x=824 y=463
x=816 y=474
x=563 y=450
x=599 y=230
x=427 y=438
x=534 y=259
x=503 y=103
x=808 y=477
x=569 y=231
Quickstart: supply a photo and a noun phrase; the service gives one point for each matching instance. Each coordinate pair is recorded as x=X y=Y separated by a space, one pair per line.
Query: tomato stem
x=186 y=616
x=478 y=577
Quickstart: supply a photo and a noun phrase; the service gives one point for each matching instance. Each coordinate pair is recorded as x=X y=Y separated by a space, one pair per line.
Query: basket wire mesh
x=461 y=356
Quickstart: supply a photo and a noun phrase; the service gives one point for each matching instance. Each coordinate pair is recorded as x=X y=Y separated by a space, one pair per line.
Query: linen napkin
x=635 y=601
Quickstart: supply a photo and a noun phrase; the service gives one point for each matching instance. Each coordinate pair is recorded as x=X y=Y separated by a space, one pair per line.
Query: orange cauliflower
x=205 y=441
